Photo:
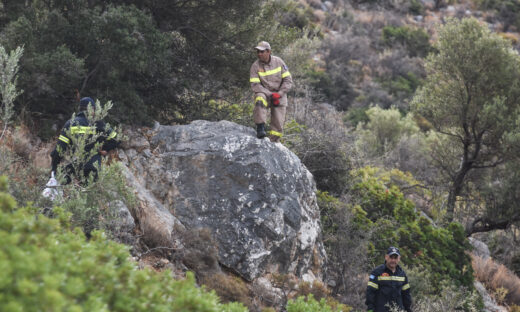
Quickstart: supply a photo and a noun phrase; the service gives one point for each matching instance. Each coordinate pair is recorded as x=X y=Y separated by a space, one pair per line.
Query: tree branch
x=484 y=224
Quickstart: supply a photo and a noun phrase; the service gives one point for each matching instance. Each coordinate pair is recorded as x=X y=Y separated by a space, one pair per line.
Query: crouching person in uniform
x=104 y=139
x=388 y=285
x=270 y=81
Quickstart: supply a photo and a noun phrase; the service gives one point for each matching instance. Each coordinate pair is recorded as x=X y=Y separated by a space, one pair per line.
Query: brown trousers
x=277 y=115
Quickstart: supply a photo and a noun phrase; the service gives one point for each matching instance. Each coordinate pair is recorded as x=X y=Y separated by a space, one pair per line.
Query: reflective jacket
x=80 y=126
x=385 y=287
x=270 y=77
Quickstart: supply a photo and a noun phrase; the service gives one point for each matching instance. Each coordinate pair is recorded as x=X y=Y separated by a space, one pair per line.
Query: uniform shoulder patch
x=371 y=276
x=285 y=67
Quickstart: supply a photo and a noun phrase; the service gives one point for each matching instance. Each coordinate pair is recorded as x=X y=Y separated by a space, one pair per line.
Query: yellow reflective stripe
x=275 y=133
x=406 y=286
x=261 y=99
x=82 y=130
x=64 y=139
x=112 y=135
x=270 y=72
x=286 y=74
x=374 y=285
x=391 y=278
x=254 y=79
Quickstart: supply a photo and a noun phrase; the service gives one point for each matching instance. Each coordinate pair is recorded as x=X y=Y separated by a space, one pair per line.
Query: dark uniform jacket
x=81 y=126
x=385 y=287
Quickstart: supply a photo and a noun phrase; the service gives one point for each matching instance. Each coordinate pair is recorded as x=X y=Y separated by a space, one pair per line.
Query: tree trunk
x=456 y=188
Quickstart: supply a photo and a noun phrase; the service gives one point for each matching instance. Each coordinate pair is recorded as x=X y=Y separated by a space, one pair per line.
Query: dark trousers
x=88 y=168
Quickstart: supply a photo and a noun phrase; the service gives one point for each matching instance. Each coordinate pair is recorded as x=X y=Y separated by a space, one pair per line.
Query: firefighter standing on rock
x=270 y=81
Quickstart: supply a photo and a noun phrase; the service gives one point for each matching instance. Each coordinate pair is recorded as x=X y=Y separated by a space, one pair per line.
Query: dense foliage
x=471 y=97
x=381 y=216
x=151 y=58
x=48 y=267
x=176 y=61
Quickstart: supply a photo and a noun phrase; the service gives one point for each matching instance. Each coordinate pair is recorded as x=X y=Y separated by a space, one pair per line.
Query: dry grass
x=317 y=289
x=504 y=284
x=229 y=288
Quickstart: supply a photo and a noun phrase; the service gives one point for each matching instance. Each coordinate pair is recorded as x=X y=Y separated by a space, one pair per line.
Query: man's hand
x=275 y=98
x=103 y=152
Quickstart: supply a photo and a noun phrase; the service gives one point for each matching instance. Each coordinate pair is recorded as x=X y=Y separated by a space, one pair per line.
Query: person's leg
x=69 y=172
x=91 y=167
x=260 y=114
x=277 y=123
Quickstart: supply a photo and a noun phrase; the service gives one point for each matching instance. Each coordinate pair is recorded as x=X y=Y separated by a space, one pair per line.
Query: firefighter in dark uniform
x=388 y=285
x=105 y=140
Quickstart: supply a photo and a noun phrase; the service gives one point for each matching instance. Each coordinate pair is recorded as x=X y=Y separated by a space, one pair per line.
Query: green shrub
x=93 y=204
x=383 y=207
x=384 y=129
x=356 y=115
x=416 y=40
x=323 y=150
x=47 y=267
x=96 y=205
x=452 y=297
x=404 y=84
x=309 y=304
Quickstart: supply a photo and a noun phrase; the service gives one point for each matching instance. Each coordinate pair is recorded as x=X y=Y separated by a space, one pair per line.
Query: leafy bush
x=45 y=266
x=321 y=146
x=383 y=131
x=8 y=71
x=383 y=206
x=452 y=297
x=346 y=242
x=94 y=204
x=309 y=304
x=415 y=40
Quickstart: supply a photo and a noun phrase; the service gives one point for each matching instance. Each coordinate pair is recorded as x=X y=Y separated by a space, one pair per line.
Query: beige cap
x=263 y=45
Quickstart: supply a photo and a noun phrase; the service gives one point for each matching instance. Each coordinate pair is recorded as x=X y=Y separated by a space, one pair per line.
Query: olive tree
x=8 y=92
x=471 y=95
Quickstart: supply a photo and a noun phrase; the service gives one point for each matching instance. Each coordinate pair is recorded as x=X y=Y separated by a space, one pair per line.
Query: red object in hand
x=276 y=98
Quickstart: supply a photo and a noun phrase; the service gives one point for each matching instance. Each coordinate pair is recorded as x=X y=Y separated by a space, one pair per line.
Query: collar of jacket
x=269 y=62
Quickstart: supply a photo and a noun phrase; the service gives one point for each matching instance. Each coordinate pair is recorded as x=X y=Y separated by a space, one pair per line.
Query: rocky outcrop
x=480 y=248
x=490 y=304
x=256 y=197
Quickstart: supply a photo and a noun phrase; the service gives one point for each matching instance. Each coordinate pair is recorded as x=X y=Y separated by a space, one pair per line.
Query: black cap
x=393 y=251
x=85 y=102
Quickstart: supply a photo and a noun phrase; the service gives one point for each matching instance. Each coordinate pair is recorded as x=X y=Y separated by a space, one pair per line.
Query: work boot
x=260 y=131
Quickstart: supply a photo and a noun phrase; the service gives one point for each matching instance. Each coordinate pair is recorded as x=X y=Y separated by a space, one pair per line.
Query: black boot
x=260 y=131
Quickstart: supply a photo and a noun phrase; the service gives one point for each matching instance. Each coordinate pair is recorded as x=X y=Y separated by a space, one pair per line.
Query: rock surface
x=256 y=197
x=489 y=303
x=479 y=248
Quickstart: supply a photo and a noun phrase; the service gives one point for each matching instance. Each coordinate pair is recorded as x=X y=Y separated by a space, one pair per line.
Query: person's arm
x=256 y=84
x=286 y=80
x=108 y=138
x=61 y=146
x=407 y=297
x=372 y=289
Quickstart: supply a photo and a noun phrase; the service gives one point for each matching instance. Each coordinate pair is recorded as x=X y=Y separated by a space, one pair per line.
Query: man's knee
x=261 y=101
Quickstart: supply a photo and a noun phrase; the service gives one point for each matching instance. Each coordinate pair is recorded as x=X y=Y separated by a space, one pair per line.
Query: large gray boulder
x=256 y=197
